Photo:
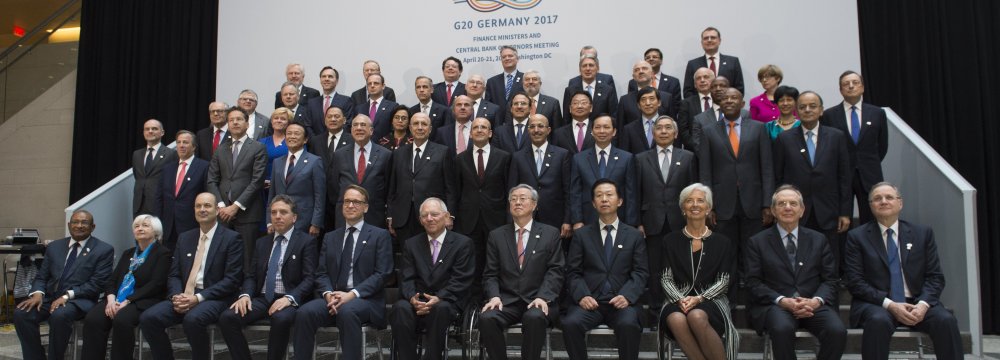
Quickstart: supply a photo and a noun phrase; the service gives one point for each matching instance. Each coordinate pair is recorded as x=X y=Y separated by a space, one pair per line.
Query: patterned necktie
x=665 y=164
x=199 y=256
x=291 y=167
x=510 y=83
x=590 y=90
x=649 y=133
x=520 y=133
x=361 y=165
x=273 y=267
x=734 y=138
x=602 y=165
x=424 y=108
x=461 y=139
x=707 y=105
x=579 y=136
x=711 y=66
x=180 y=178
x=520 y=247
x=811 y=147
x=371 y=112
x=538 y=161
x=70 y=260
x=855 y=124
x=896 y=292
x=790 y=248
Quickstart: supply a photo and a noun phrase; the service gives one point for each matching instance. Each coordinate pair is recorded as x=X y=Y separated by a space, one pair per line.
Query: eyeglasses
x=782 y=204
x=358 y=203
x=520 y=199
x=887 y=198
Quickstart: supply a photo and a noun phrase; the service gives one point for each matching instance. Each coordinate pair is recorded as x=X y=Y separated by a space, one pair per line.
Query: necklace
x=693 y=237
x=783 y=124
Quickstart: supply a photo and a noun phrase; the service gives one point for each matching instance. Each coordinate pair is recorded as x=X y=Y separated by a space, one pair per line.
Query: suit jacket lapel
x=592 y=159
x=300 y=164
x=446 y=248
x=533 y=237
x=723 y=127
x=901 y=241
x=294 y=243
x=360 y=245
x=865 y=124
x=802 y=253
x=875 y=238
x=778 y=245
x=510 y=235
x=800 y=142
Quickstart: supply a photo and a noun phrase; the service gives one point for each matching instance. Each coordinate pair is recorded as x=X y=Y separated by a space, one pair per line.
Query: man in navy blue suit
x=301 y=175
x=721 y=65
x=450 y=88
x=378 y=107
x=437 y=112
x=590 y=52
x=502 y=86
x=204 y=279
x=600 y=92
x=180 y=183
x=601 y=161
x=294 y=74
x=317 y=106
x=894 y=275
x=354 y=262
x=66 y=287
x=606 y=274
x=660 y=81
x=545 y=167
x=280 y=278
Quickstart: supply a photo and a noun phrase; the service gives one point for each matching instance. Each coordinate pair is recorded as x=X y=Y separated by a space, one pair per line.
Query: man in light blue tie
x=894 y=275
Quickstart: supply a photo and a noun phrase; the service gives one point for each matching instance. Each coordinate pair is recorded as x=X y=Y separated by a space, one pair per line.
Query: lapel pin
x=293 y=256
x=800 y=263
x=619 y=246
x=517 y=79
x=868 y=122
x=532 y=251
x=616 y=158
x=543 y=103
x=364 y=243
x=161 y=156
x=88 y=249
x=909 y=246
x=546 y=165
x=428 y=158
x=723 y=63
x=549 y=154
x=440 y=261
x=598 y=81
x=537 y=236
x=305 y=161
x=802 y=150
x=188 y=179
x=678 y=163
x=599 y=94
x=189 y=254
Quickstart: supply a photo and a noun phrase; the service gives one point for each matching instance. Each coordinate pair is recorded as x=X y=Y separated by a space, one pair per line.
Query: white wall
x=812 y=41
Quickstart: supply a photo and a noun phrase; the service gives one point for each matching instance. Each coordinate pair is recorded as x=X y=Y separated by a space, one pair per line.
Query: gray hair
x=154 y=222
x=884 y=183
x=534 y=193
x=789 y=187
x=686 y=193
x=433 y=200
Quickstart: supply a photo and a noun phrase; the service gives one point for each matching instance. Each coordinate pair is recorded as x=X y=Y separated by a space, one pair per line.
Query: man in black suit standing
x=295 y=74
x=354 y=262
x=821 y=173
x=545 y=167
x=456 y=136
x=868 y=129
x=367 y=165
x=482 y=107
x=659 y=81
x=147 y=164
x=450 y=88
x=588 y=51
x=712 y=116
x=502 y=86
x=235 y=177
x=662 y=172
x=280 y=279
x=420 y=170
x=894 y=275
x=181 y=181
x=260 y=124
x=205 y=277
x=362 y=96
x=523 y=277
x=435 y=278
x=628 y=105
x=483 y=172
x=435 y=111
x=317 y=107
x=792 y=277
x=512 y=135
x=603 y=95
x=217 y=133
x=603 y=160
x=300 y=113
x=326 y=146
x=721 y=65
x=637 y=134
x=606 y=274
x=378 y=108
x=576 y=135
x=72 y=277
x=692 y=106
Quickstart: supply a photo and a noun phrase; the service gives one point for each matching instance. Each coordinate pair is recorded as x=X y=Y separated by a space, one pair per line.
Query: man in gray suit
x=146 y=165
x=301 y=176
x=259 y=123
x=235 y=177
x=71 y=278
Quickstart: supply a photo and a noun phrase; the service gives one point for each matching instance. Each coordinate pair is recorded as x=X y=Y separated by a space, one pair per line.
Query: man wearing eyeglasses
x=259 y=123
x=364 y=164
x=216 y=134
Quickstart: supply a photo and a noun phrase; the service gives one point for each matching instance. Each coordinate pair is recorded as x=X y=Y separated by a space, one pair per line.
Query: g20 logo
x=494 y=5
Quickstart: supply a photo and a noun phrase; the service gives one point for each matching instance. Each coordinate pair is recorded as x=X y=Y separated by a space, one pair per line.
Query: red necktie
x=711 y=65
x=520 y=247
x=215 y=141
x=180 y=179
x=448 y=98
x=480 y=167
x=361 y=166
x=707 y=106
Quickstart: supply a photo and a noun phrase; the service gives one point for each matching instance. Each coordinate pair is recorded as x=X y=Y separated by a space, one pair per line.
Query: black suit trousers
x=231 y=325
x=406 y=326
x=825 y=325
x=879 y=325
x=26 y=323
x=494 y=323
x=97 y=326
x=654 y=254
x=625 y=322
x=738 y=229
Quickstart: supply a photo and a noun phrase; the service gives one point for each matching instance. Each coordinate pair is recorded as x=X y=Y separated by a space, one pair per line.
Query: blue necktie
x=649 y=133
x=855 y=124
x=520 y=133
x=506 y=89
x=346 y=258
x=896 y=292
x=69 y=264
x=602 y=165
x=609 y=244
x=272 y=269
x=811 y=147
x=538 y=161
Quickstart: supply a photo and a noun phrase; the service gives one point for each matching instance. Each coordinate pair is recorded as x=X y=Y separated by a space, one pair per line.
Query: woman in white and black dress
x=696 y=278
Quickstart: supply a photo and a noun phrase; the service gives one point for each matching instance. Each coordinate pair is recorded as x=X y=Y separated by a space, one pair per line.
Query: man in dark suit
x=603 y=95
x=588 y=51
x=637 y=134
x=456 y=136
x=576 y=135
x=792 y=277
x=502 y=86
x=295 y=74
x=182 y=180
x=450 y=88
x=260 y=124
x=541 y=103
x=481 y=107
x=362 y=96
x=721 y=65
x=280 y=279
x=147 y=164
x=300 y=113
x=822 y=172
x=512 y=135
x=235 y=177
x=367 y=165
x=378 y=108
x=659 y=80
x=419 y=171
x=868 y=129
x=204 y=279
x=317 y=107
x=72 y=276
x=437 y=112
x=606 y=274
x=629 y=109
x=714 y=115
x=693 y=106
x=662 y=173
x=894 y=275
x=435 y=278
x=355 y=261
x=601 y=161
x=735 y=160
x=522 y=279
x=216 y=134
x=326 y=146
x=483 y=172
x=545 y=167
x=301 y=176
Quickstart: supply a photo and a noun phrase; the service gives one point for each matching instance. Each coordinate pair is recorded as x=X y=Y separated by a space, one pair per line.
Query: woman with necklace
x=400 y=134
x=786 y=97
x=138 y=282
x=699 y=263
